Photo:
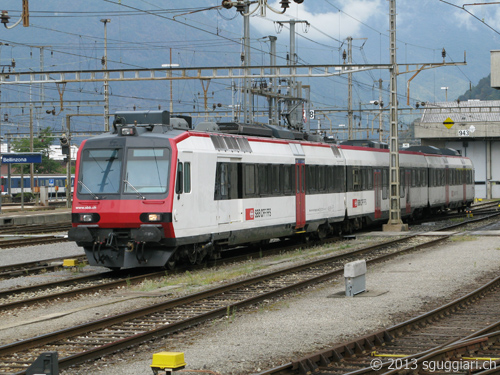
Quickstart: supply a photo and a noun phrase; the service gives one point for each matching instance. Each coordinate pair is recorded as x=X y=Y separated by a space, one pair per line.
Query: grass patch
x=463 y=238
x=188 y=281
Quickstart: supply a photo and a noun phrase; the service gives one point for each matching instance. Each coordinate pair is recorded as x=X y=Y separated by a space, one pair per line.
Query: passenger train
x=154 y=191
x=55 y=183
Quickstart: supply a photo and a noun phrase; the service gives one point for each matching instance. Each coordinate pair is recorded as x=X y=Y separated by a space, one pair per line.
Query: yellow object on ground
x=170 y=360
x=70 y=262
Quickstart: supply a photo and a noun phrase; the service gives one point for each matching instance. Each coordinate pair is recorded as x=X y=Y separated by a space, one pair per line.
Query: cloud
x=326 y=21
x=485 y=13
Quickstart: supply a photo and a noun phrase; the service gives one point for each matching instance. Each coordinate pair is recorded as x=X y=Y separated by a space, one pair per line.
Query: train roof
x=433 y=150
x=365 y=143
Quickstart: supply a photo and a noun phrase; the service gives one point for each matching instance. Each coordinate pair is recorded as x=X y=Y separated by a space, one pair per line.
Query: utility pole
x=350 y=112
x=295 y=89
x=247 y=102
x=171 y=90
x=395 y=223
x=205 y=96
x=68 y=163
x=106 y=84
x=380 y=106
x=42 y=67
x=273 y=102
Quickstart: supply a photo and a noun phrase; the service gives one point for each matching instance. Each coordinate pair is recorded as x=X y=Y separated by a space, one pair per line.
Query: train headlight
x=127 y=131
x=154 y=217
x=86 y=218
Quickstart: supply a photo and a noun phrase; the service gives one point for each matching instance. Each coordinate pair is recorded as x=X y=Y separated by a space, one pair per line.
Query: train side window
x=274 y=178
x=370 y=178
x=287 y=179
x=385 y=183
x=402 y=183
x=179 y=182
x=263 y=179
x=413 y=178
x=222 y=179
x=329 y=182
x=321 y=178
x=355 y=179
x=311 y=173
x=232 y=181
x=187 y=177
x=249 y=180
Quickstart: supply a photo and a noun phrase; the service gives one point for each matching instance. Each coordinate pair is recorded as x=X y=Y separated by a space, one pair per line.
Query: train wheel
x=171 y=264
x=192 y=255
x=323 y=231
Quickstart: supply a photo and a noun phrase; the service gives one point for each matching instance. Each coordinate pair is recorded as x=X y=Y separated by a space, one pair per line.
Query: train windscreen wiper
x=90 y=191
x=137 y=191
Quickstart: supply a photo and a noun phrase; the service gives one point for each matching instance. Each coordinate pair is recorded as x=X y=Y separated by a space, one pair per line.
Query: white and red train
x=154 y=191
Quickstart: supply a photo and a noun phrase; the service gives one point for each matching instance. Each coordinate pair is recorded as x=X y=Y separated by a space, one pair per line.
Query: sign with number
x=464 y=133
x=311 y=114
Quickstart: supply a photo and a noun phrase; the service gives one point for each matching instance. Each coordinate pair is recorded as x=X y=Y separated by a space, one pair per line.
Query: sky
x=142 y=33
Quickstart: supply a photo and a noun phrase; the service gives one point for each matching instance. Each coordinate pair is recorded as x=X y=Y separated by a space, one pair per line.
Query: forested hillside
x=482 y=91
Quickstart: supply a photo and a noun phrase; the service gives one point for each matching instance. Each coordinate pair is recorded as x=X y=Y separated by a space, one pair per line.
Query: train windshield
x=147 y=170
x=100 y=171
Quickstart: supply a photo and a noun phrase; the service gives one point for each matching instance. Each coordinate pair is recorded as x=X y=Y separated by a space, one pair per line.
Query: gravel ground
x=279 y=331
x=41 y=252
x=310 y=321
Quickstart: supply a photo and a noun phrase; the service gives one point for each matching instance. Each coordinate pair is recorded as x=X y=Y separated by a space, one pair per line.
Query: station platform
x=15 y=215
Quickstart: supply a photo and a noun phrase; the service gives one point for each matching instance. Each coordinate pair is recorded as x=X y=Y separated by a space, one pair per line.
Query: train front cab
x=122 y=203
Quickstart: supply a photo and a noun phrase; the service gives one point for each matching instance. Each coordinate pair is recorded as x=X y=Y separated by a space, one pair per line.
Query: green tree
x=482 y=91
x=40 y=144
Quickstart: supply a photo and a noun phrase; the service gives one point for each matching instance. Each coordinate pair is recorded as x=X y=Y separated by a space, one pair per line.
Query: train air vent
x=228 y=143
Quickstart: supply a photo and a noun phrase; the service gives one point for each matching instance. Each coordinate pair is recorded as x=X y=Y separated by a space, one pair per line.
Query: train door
x=300 y=193
x=377 y=187
x=184 y=203
x=229 y=207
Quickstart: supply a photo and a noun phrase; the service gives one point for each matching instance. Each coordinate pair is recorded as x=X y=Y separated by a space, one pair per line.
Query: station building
x=471 y=127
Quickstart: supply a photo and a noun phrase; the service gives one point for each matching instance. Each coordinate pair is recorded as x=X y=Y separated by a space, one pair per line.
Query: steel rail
x=169 y=328
x=367 y=343
x=20 y=269
x=36 y=228
x=29 y=241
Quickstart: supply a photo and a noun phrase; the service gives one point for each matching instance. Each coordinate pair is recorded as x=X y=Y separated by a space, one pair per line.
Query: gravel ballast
x=303 y=323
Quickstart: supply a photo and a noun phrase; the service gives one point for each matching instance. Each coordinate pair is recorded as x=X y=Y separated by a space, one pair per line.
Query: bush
x=28 y=197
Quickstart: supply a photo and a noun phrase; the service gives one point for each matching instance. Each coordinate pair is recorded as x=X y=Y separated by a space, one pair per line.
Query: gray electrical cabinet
x=355 y=277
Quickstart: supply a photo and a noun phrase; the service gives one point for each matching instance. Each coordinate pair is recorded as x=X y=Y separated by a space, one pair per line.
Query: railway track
x=28 y=268
x=35 y=228
x=27 y=296
x=460 y=335
x=92 y=340
x=31 y=241
x=31 y=295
